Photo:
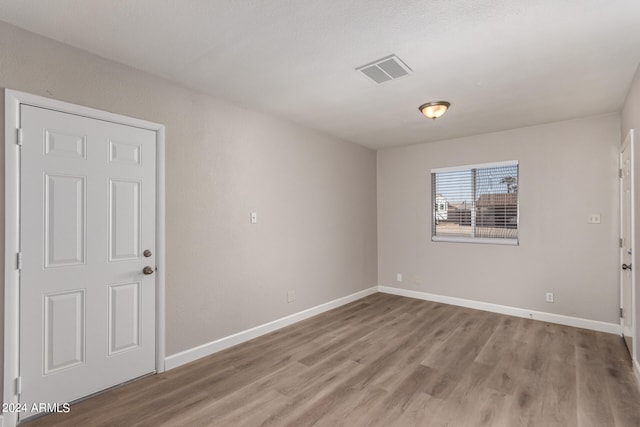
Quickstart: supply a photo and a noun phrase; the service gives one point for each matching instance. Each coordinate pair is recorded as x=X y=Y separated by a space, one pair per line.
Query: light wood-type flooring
x=388 y=361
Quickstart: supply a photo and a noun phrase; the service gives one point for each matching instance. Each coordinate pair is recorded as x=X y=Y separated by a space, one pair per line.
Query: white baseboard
x=612 y=328
x=207 y=349
x=636 y=370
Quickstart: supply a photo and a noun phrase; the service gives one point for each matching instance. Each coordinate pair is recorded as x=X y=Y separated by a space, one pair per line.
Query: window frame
x=466 y=239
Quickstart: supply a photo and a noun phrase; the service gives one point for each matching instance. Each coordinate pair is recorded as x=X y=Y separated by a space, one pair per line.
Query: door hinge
x=18 y=385
x=19 y=141
x=621 y=313
x=620 y=172
x=19 y=260
x=621 y=243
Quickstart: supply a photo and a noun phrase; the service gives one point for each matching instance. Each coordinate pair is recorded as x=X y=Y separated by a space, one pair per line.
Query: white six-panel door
x=87 y=216
x=626 y=211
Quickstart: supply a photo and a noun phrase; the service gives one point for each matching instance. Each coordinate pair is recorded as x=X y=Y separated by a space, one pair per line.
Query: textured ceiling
x=501 y=63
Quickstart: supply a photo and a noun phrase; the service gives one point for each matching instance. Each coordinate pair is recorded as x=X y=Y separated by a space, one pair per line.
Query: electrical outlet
x=549 y=297
x=254 y=217
x=291 y=296
x=399 y=277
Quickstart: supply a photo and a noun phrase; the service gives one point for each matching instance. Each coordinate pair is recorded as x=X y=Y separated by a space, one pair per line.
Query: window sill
x=480 y=240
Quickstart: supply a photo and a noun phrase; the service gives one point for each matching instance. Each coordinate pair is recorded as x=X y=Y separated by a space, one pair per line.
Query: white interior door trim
x=13 y=100
x=629 y=144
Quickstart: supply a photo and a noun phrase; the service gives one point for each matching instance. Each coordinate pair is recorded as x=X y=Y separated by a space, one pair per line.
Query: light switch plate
x=594 y=219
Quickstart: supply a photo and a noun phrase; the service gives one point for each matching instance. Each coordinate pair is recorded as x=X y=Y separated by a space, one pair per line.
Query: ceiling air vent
x=388 y=68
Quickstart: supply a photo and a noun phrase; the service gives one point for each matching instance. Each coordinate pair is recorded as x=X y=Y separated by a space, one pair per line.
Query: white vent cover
x=388 y=68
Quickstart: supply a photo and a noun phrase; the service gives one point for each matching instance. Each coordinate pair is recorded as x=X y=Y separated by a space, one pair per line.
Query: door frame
x=630 y=144
x=13 y=100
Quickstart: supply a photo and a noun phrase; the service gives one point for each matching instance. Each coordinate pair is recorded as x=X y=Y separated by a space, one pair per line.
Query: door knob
x=626 y=267
x=148 y=270
x=147 y=253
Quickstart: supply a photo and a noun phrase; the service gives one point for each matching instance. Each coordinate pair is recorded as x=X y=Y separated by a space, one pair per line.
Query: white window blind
x=476 y=203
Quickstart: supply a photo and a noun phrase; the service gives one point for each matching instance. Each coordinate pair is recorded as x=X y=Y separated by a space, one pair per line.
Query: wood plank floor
x=388 y=361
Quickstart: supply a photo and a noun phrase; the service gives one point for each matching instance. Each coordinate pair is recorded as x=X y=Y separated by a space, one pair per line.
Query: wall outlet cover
x=291 y=296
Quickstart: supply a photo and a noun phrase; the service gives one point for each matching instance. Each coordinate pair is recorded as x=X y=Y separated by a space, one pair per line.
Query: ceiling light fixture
x=433 y=110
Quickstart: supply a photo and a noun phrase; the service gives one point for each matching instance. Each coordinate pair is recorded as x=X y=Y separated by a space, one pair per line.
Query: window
x=481 y=203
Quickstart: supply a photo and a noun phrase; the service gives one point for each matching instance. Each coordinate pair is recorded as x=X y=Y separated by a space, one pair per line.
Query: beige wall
x=630 y=116
x=630 y=119
x=315 y=196
x=567 y=171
